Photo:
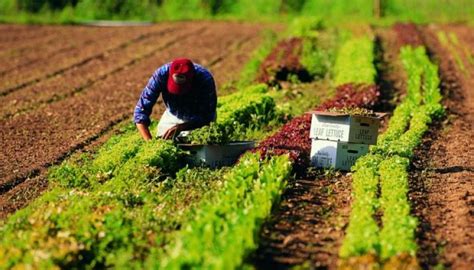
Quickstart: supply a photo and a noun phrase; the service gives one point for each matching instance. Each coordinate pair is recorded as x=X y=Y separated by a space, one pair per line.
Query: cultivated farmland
x=79 y=188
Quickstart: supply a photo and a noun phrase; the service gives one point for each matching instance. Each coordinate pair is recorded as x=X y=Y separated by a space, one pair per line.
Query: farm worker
x=189 y=94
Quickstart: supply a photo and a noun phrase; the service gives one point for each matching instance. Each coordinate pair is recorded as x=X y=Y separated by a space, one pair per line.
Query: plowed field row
x=34 y=140
x=81 y=77
x=13 y=34
x=11 y=48
x=442 y=179
x=63 y=61
x=60 y=44
x=310 y=223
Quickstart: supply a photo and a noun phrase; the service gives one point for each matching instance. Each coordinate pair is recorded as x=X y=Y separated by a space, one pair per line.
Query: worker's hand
x=171 y=132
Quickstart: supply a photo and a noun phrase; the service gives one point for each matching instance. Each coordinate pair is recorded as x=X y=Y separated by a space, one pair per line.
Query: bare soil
x=283 y=60
x=308 y=226
x=80 y=78
x=30 y=35
x=61 y=43
x=83 y=49
x=46 y=134
x=442 y=178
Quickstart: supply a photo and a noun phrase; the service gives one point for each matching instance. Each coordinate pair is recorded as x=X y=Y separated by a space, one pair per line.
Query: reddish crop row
x=283 y=61
x=293 y=137
x=407 y=34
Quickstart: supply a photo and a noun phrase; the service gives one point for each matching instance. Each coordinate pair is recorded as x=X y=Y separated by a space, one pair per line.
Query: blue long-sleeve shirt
x=197 y=106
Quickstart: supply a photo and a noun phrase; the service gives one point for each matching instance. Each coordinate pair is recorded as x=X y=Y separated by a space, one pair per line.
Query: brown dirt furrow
x=309 y=226
x=13 y=47
x=31 y=188
x=20 y=50
x=50 y=35
x=81 y=78
x=60 y=44
x=14 y=31
x=392 y=79
x=22 y=194
x=238 y=54
x=37 y=139
x=11 y=35
x=442 y=180
x=59 y=63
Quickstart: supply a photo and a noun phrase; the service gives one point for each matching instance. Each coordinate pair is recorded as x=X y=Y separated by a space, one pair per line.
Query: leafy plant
x=362 y=235
x=393 y=152
x=113 y=224
x=355 y=62
x=251 y=108
x=224 y=227
x=398 y=233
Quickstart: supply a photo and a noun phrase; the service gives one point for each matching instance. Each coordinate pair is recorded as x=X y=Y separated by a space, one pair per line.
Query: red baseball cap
x=180 y=77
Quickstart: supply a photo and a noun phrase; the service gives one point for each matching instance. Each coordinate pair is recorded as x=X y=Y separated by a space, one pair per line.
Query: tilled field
x=81 y=81
x=442 y=178
x=308 y=226
x=76 y=98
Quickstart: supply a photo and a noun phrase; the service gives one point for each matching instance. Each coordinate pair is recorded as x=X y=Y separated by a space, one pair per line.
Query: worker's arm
x=144 y=131
x=146 y=102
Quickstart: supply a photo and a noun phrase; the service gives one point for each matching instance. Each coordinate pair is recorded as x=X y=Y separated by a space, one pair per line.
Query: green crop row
x=224 y=228
x=387 y=165
x=89 y=171
x=113 y=208
x=319 y=47
x=205 y=218
x=250 y=108
x=422 y=102
x=398 y=233
x=451 y=43
x=362 y=234
x=355 y=62
x=70 y=226
x=250 y=70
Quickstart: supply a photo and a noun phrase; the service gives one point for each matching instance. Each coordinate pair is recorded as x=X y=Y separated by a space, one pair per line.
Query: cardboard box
x=344 y=127
x=339 y=155
x=215 y=156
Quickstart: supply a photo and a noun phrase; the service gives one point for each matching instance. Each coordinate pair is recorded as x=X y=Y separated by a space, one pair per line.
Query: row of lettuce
x=384 y=171
x=134 y=204
x=114 y=208
x=354 y=89
x=225 y=230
